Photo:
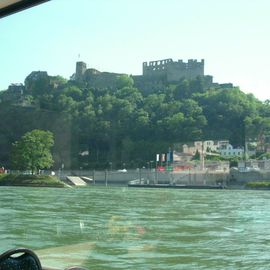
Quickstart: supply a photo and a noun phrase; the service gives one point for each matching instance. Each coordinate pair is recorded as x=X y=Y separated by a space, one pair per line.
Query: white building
x=228 y=151
x=205 y=146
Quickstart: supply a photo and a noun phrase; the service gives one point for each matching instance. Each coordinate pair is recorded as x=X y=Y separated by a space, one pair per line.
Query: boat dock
x=177 y=186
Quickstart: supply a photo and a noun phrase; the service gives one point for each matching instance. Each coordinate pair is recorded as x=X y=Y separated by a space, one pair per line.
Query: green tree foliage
x=226 y=111
x=37 y=84
x=197 y=156
x=33 y=151
x=73 y=91
x=124 y=81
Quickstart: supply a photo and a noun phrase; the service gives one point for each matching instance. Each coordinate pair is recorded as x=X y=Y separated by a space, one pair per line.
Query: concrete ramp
x=87 y=179
x=76 y=181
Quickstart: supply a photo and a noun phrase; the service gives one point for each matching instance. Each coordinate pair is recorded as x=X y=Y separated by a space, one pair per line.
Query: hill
x=129 y=121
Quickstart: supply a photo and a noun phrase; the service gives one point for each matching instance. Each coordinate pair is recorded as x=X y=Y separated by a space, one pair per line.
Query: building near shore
x=208 y=147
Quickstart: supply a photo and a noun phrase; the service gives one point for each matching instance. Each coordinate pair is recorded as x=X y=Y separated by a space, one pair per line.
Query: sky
x=233 y=36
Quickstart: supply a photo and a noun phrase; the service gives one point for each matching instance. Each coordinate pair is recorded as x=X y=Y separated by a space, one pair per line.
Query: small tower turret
x=80 y=70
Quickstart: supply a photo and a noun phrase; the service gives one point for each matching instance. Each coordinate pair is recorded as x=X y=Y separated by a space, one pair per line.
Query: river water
x=128 y=228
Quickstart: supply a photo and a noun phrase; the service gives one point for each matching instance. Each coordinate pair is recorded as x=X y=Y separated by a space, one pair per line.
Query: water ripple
x=123 y=228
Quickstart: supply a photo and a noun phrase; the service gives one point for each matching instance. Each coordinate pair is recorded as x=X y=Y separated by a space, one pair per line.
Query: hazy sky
x=233 y=36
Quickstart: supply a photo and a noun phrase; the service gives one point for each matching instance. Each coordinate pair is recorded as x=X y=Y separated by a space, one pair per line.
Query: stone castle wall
x=94 y=77
x=155 y=74
x=173 y=71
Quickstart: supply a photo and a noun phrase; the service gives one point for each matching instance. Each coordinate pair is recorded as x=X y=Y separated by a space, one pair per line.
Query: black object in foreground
x=19 y=259
x=24 y=259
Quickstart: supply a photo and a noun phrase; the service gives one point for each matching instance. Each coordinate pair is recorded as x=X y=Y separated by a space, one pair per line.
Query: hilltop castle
x=166 y=70
x=155 y=75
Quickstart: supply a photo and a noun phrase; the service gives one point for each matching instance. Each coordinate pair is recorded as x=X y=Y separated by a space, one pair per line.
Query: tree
x=124 y=81
x=182 y=90
x=197 y=156
x=37 y=83
x=33 y=151
x=74 y=92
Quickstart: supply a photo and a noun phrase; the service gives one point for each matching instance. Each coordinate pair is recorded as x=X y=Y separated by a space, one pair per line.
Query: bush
x=259 y=184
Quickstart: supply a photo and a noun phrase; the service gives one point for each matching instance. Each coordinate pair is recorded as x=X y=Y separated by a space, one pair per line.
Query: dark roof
x=8 y=7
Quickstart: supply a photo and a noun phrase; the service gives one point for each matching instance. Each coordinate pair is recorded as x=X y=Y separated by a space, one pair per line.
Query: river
x=128 y=228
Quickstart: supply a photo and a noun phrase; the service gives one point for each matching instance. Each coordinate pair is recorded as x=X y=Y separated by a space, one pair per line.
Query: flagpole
x=157 y=160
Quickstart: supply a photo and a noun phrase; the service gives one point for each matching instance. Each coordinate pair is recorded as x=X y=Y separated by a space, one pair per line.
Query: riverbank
x=30 y=180
x=261 y=185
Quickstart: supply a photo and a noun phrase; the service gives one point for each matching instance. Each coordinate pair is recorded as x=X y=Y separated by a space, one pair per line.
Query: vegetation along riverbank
x=258 y=185
x=30 y=180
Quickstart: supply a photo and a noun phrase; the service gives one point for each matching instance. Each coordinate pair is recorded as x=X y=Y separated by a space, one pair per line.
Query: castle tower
x=80 y=70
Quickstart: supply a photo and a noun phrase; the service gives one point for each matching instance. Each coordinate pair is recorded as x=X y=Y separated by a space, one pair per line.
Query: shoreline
x=21 y=180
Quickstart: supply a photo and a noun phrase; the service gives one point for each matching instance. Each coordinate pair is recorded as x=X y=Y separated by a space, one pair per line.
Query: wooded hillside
x=94 y=127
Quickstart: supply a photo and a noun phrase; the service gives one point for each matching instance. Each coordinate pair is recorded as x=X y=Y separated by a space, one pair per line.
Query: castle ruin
x=95 y=78
x=165 y=70
x=155 y=74
x=173 y=71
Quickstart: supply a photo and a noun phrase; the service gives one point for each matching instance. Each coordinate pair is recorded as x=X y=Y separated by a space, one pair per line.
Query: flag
x=162 y=157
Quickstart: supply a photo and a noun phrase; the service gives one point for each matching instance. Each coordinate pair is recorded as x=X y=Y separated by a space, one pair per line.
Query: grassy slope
x=30 y=180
